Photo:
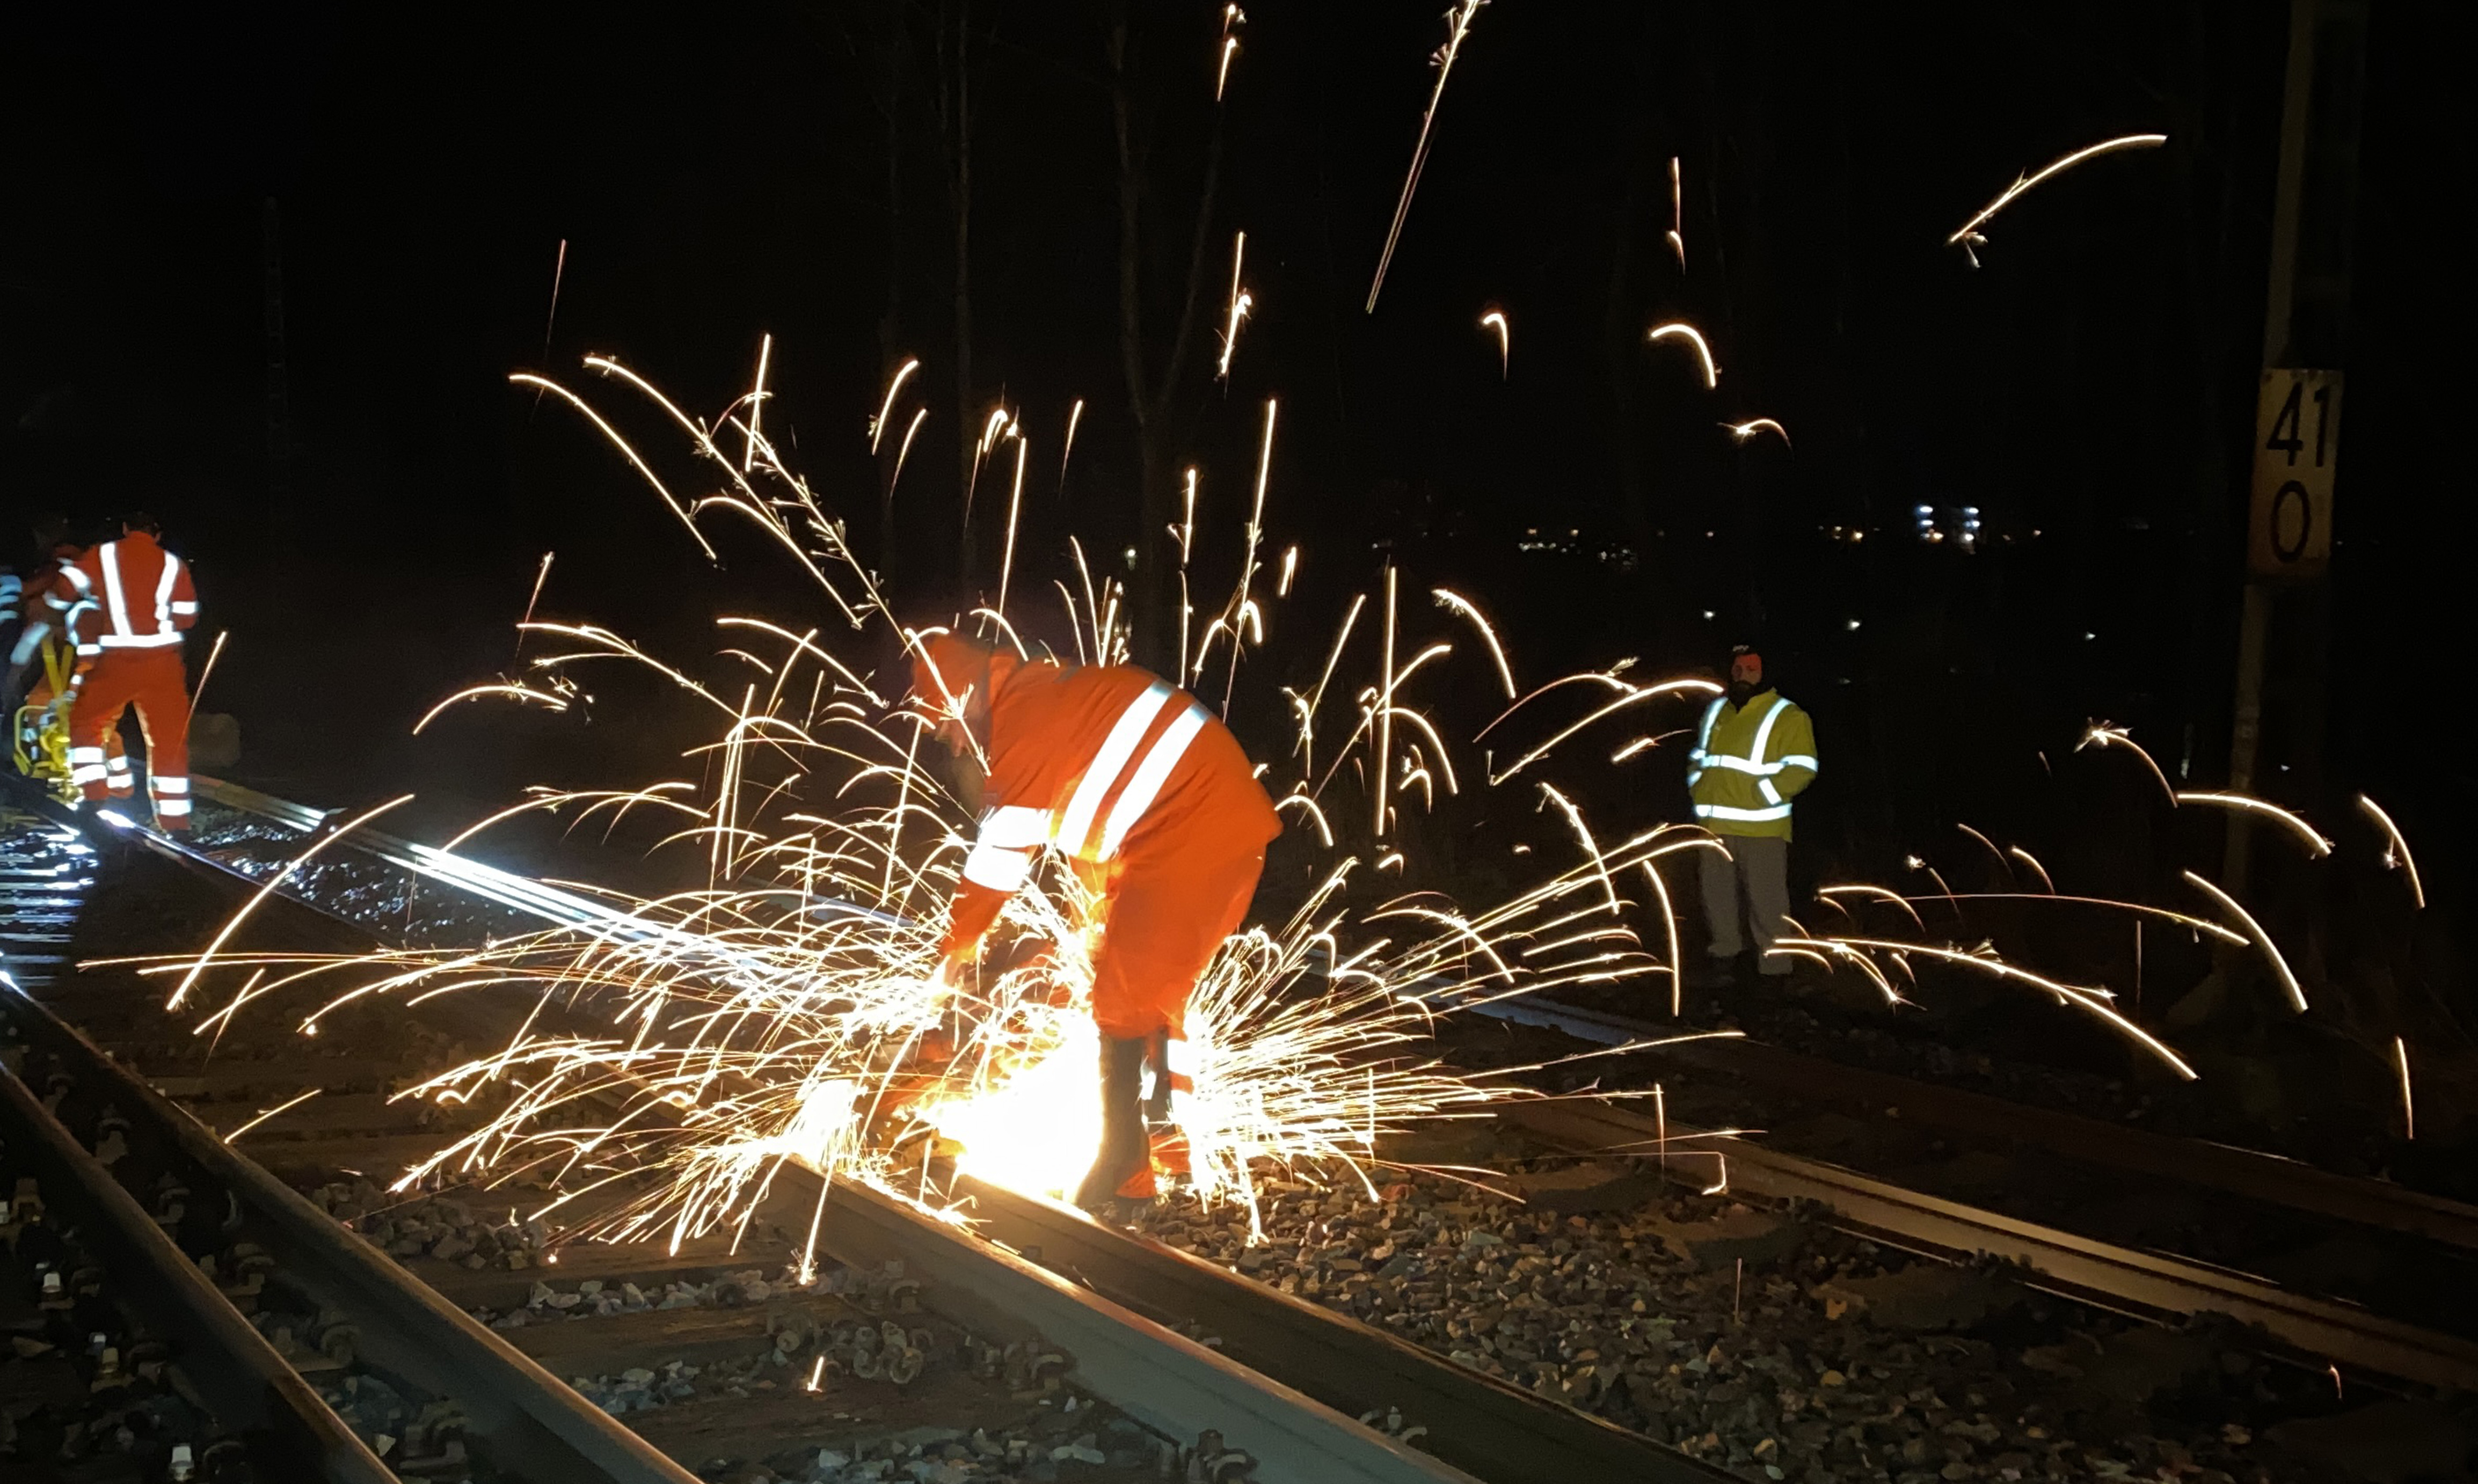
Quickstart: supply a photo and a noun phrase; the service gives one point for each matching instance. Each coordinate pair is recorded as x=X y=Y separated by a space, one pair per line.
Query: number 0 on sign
x=2297 y=449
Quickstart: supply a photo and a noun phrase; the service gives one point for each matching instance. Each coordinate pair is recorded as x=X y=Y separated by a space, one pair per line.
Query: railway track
x=1010 y=1367
x=1495 y=1426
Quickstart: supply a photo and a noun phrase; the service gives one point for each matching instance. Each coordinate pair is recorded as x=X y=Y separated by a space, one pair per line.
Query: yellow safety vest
x=1749 y=762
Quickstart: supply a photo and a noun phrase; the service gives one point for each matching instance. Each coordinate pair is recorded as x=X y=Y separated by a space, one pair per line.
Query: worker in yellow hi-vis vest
x=1754 y=754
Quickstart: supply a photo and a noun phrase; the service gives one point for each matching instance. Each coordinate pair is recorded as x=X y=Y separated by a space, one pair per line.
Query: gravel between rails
x=1785 y=1349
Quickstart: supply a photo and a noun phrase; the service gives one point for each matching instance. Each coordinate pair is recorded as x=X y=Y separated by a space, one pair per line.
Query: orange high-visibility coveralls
x=1148 y=794
x=128 y=654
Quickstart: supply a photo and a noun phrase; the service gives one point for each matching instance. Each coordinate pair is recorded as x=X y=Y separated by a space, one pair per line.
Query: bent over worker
x=1754 y=754
x=1154 y=802
x=128 y=655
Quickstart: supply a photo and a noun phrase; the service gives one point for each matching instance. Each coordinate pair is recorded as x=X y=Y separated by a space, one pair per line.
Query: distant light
x=1852 y=624
x=1970 y=510
x=2086 y=634
x=1708 y=615
x=1131 y=554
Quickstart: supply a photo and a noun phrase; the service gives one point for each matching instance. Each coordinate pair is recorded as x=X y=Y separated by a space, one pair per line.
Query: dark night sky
x=720 y=175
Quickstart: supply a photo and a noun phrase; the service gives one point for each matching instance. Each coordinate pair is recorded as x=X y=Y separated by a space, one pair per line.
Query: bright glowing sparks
x=1074 y=415
x=2396 y=854
x=1495 y=320
x=2261 y=939
x=1232 y=17
x=1458 y=21
x=1743 y=431
x=784 y=1013
x=2101 y=734
x=886 y=408
x=1676 y=232
x=2315 y=844
x=1681 y=330
x=1240 y=303
x=2408 y=1105
x=1967 y=235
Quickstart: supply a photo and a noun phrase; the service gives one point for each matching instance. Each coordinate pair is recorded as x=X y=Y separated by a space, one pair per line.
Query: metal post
x=2307 y=304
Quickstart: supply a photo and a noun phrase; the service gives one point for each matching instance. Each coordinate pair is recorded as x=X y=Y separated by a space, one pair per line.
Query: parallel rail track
x=1280 y=1408
x=1061 y=1268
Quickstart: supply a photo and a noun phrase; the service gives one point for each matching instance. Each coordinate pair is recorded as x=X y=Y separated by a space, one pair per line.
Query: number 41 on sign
x=2297 y=449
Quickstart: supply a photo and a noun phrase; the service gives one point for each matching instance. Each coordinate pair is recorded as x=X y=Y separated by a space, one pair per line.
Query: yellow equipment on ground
x=40 y=738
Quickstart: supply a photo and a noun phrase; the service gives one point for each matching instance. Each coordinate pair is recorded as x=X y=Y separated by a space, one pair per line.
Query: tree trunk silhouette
x=1153 y=397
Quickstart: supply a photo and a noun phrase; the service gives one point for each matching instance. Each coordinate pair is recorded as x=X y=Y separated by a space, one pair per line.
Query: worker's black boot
x=1124 y=1169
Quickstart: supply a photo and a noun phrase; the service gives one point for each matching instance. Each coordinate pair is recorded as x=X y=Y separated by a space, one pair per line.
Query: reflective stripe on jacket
x=1112 y=766
x=1748 y=763
x=141 y=597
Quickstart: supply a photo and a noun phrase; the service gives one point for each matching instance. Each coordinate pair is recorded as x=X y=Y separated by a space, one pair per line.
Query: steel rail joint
x=228 y=1363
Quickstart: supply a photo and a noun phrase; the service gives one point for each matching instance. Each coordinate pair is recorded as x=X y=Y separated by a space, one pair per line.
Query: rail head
x=231 y=1366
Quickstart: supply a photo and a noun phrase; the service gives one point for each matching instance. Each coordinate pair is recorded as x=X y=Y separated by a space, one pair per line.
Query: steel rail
x=2228 y=1168
x=1153 y=1375
x=1476 y=1423
x=526 y=1419
x=2076 y=1266
x=1480 y=1423
x=1163 y=1379
x=227 y=1363
x=2082 y=1267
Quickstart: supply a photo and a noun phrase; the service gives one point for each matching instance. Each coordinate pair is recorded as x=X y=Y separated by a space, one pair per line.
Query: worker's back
x=1123 y=760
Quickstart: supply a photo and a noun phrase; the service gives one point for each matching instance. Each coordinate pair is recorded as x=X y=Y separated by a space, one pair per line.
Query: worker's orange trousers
x=156 y=683
x=1164 y=917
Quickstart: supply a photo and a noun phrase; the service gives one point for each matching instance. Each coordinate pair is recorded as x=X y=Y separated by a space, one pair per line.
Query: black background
x=718 y=173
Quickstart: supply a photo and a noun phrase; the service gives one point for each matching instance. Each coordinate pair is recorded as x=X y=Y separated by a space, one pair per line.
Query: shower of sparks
x=785 y=1010
x=1968 y=237
x=2396 y=854
x=2101 y=734
x=1495 y=320
x=1676 y=232
x=886 y=408
x=778 y=1014
x=2261 y=939
x=2409 y=1107
x=2315 y=844
x=1240 y=303
x=1680 y=329
x=1743 y=431
x=1458 y=26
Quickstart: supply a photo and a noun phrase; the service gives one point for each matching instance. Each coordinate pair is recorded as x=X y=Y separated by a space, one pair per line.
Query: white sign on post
x=2297 y=449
